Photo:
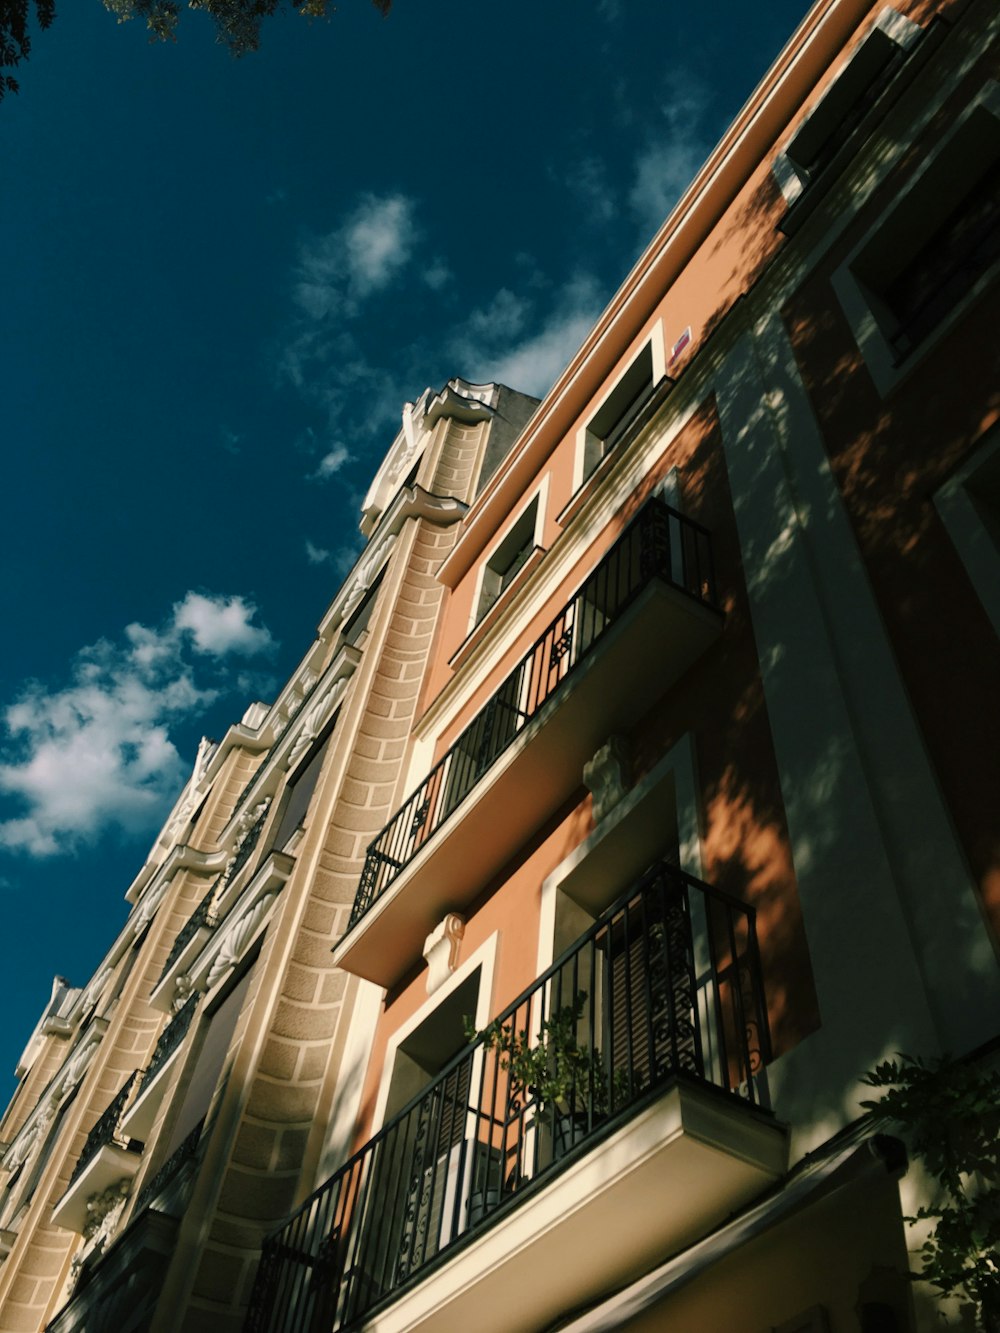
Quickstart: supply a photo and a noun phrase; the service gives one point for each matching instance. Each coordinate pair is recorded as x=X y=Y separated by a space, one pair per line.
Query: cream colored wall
x=822 y=1256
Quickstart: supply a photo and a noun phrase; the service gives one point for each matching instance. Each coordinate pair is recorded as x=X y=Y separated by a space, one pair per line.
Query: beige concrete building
x=169 y=1108
x=516 y=970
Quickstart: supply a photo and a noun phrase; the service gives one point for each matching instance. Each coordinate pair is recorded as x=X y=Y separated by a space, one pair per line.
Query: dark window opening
x=507 y=560
x=300 y=789
x=356 y=630
x=618 y=411
x=850 y=98
x=948 y=264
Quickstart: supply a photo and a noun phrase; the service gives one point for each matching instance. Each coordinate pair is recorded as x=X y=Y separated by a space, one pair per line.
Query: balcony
x=191 y=939
x=643 y=616
x=109 y=1157
x=606 y=1119
x=139 y=1118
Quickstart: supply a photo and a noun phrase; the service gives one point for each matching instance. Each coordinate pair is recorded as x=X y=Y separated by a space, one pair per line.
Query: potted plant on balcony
x=557 y=1074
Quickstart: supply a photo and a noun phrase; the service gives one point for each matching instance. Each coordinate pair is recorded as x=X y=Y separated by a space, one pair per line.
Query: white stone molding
x=400 y=458
x=91 y=996
x=57 y=1020
x=316 y=718
x=441 y=950
x=103 y=1212
x=193 y=793
x=606 y=776
x=365 y=574
x=237 y=938
x=244 y=824
x=32 y=1132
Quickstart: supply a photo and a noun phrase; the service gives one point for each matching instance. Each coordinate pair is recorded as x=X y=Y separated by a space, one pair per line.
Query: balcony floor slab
x=656 y=1186
x=649 y=648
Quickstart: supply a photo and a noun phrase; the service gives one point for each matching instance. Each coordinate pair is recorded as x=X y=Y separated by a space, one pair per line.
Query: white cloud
x=332 y=462
x=589 y=180
x=669 y=161
x=336 y=272
x=97 y=754
x=437 y=274
x=507 y=341
x=221 y=625
x=316 y=555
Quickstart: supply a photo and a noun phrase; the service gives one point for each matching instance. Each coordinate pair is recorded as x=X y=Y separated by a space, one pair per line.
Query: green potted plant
x=560 y=1076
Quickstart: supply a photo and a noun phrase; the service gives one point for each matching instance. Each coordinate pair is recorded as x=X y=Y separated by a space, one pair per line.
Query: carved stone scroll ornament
x=244 y=827
x=148 y=906
x=104 y=1210
x=195 y=789
x=316 y=719
x=94 y=991
x=364 y=575
x=441 y=950
x=606 y=775
x=234 y=943
x=182 y=993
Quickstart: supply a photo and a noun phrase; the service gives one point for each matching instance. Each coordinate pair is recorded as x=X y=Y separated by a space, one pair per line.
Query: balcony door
x=415 y=1198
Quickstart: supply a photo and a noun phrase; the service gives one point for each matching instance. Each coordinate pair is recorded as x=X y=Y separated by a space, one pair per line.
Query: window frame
x=537 y=500
x=587 y=439
x=795 y=171
x=869 y=318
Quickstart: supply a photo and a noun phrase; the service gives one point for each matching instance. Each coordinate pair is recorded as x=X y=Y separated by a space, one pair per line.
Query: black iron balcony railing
x=666 y=983
x=185 y=1152
x=170 y=1038
x=201 y=916
x=105 y=1131
x=659 y=543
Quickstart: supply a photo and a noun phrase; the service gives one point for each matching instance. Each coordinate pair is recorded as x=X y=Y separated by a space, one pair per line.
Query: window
x=216 y=1036
x=947 y=263
x=418 y=1184
x=618 y=411
x=356 y=630
x=969 y=505
x=300 y=789
x=850 y=97
x=507 y=560
x=933 y=252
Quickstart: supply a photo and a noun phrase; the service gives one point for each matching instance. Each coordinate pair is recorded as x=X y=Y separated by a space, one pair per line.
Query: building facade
x=638 y=795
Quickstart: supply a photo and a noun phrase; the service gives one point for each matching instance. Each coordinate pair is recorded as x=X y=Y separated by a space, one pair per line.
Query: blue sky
x=222 y=279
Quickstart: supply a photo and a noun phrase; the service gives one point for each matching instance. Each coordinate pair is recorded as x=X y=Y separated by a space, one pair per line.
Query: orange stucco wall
x=509 y=906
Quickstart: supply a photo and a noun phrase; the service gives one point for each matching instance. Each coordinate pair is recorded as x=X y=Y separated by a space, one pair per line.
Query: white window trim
x=485 y=958
x=857 y=303
x=677 y=767
x=655 y=342
x=541 y=494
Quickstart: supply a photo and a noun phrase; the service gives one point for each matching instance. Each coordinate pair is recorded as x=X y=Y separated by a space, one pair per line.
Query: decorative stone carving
x=94 y=991
x=316 y=719
x=606 y=775
x=147 y=907
x=364 y=575
x=194 y=791
x=182 y=992
x=103 y=1212
x=237 y=937
x=244 y=827
x=441 y=950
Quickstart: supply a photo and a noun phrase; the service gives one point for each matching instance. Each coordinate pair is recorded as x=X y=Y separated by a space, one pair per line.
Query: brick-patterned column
x=273 y=1120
